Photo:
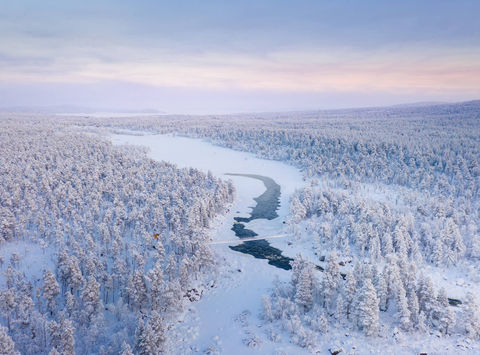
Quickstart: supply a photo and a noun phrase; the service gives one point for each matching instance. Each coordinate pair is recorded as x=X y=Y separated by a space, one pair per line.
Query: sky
x=210 y=56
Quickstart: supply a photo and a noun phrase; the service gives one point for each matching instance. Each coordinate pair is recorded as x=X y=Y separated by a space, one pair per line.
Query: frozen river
x=263 y=189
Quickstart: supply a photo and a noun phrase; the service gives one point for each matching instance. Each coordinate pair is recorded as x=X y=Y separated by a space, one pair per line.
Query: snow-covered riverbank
x=226 y=319
x=227 y=315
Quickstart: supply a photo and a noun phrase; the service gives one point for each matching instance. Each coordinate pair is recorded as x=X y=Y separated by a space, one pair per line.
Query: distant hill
x=74 y=109
x=428 y=107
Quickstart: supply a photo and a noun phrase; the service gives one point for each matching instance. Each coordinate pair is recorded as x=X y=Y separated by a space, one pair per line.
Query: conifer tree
x=382 y=293
x=126 y=349
x=50 y=290
x=421 y=324
x=331 y=279
x=350 y=288
x=413 y=307
x=152 y=339
x=403 y=313
x=367 y=308
x=304 y=292
x=472 y=317
x=91 y=300
x=156 y=278
x=7 y=346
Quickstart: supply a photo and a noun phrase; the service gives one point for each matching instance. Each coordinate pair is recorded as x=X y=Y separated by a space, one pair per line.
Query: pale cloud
x=404 y=48
x=328 y=69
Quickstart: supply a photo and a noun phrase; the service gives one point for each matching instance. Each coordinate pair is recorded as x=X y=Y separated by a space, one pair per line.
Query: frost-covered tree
x=323 y=323
x=126 y=349
x=152 y=338
x=330 y=281
x=367 y=308
x=62 y=335
x=137 y=290
x=454 y=245
x=75 y=278
x=426 y=296
x=471 y=317
x=7 y=346
x=156 y=278
x=350 y=287
x=340 y=308
x=382 y=293
x=403 y=313
x=442 y=299
x=7 y=305
x=447 y=320
x=421 y=324
x=413 y=307
x=92 y=304
x=50 y=291
x=267 y=308
x=304 y=290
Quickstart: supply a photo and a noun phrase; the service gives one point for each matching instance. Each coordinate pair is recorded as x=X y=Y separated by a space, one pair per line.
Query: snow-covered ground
x=227 y=316
x=32 y=259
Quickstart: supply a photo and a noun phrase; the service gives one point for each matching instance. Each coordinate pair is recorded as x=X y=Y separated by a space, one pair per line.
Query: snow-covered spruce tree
x=7 y=305
x=442 y=299
x=7 y=346
x=350 y=286
x=454 y=246
x=62 y=335
x=446 y=320
x=340 y=311
x=322 y=323
x=137 y=290
x=126 y=349
x=50 y=291
x=474 y=249
x=382 y=292
x=298 y=264
x=421 y=324
x=367 y=308
x=330 y=281
x=403 y=313
x=304 y=289
x=426 y=297
x=152 y=338
x=267 y=311
x=413 y=307
x=471 y=317
x=75 y=279
x=92 y=304
x=157 y=287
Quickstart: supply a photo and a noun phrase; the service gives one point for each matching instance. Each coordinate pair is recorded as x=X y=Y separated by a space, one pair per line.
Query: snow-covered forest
x=100 y=246
x=385 y=235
